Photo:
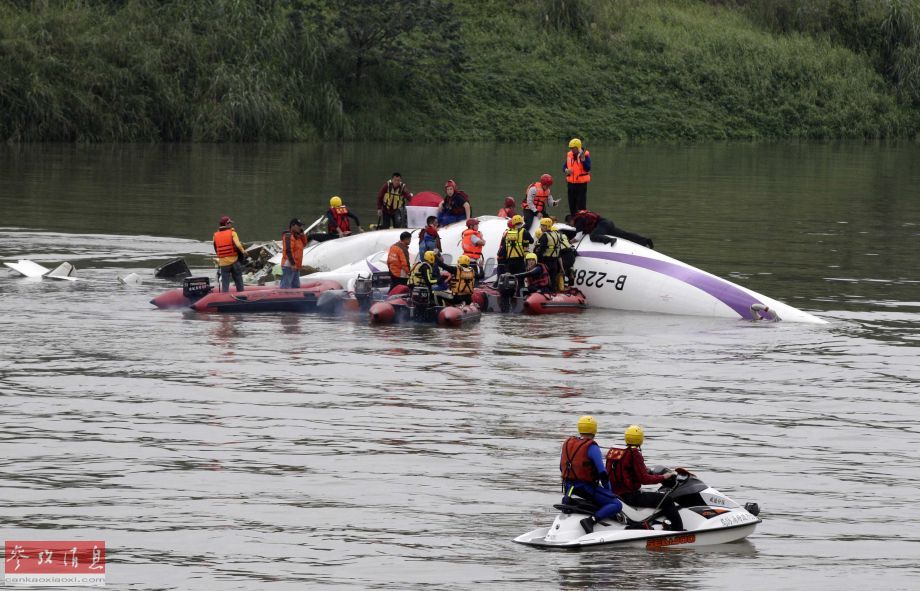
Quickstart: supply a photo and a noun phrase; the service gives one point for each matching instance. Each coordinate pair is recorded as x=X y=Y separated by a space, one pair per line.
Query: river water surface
x=280 y=451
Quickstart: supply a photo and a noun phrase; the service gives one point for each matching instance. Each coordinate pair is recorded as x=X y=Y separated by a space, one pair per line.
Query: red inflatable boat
x=176 y=298
x=399 y=309
x=457 y=316
x=491 y=299
x=567 y=301
x=255 y=298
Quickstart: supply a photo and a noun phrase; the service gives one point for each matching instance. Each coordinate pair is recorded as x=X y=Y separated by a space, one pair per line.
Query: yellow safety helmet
x=555 y=228
x=530 y=256
x=538 y=233
x=546 y=223
x=463 y=260
x=587 y=425
x=575 y=143
x=518 y=219
x=335 y=201
x=430 y=256
x=634 y=435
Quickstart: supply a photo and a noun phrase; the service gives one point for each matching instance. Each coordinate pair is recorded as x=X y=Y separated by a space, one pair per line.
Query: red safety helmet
x=451 y=183
x=546 y=180
x=509 y=202
x=472 y=222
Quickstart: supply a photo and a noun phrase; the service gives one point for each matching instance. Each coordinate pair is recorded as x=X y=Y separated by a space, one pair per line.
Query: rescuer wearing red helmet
x=456 y=205
x=537 y=195
x=584 y=473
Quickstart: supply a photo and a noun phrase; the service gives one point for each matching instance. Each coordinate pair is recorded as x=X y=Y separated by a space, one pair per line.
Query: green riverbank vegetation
x=422 y=70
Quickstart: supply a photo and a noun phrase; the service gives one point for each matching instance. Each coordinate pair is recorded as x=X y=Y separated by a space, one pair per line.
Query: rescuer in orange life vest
x=292 y=244
x=584 y=474
x=628 y=473
x=472 y=242
x=398 y=261
x=337 y=218
x=577 y=169
x=535 y=199
x=229 y=250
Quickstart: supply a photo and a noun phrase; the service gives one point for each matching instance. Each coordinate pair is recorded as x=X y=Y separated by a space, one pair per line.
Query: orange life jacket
x=578 y=174
x=398 y=260
x=297 y=243
x=539 y=200
x=575 y=463
x=474 y=251
x=340 y=220
x=505 y=212
x=223 y=243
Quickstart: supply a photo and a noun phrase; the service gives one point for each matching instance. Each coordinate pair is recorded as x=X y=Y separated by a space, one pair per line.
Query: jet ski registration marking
x=670 y=541
x=738 y=519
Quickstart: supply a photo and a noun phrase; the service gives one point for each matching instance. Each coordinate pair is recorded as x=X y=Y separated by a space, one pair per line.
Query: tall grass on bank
x=280 y=70
x=214 y=70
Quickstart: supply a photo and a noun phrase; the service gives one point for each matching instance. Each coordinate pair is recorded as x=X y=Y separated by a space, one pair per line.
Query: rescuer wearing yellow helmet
x=549 y=251
x=628 y=473
x=463 y=279
x=337 y=219
x=536 y=274
x=577 y=169
x=515 y=244
x=584 y=473
x=426 y=275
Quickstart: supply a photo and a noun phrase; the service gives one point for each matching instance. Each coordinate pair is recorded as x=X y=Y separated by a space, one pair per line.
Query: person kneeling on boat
x=628 y=473
x=292 y=244
x=537 y=275
x=426 y=275
x=463 y=279
x=584 y=474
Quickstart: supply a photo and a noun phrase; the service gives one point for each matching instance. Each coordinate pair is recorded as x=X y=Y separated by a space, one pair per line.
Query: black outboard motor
x=507 y=286
x=364 y=291
x=195 y=288
x=752 y=508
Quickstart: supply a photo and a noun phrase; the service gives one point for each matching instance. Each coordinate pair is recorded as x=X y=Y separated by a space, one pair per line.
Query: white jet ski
x=709 y=518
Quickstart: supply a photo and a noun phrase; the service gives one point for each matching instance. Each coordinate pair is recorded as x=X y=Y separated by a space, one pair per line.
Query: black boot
x=587 y=524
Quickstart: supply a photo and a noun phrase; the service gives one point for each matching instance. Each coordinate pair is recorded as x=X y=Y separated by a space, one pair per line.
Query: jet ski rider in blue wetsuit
x=584 y=473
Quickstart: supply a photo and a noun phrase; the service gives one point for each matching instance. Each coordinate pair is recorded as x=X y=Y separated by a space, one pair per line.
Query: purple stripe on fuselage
x=729 y=294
